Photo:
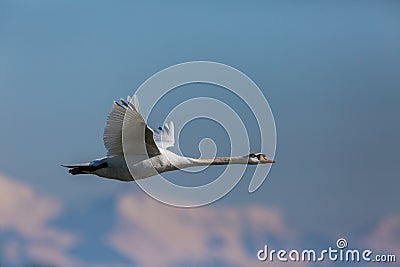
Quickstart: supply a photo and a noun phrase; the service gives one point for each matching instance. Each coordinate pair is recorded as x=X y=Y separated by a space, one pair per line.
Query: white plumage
x=145 y=150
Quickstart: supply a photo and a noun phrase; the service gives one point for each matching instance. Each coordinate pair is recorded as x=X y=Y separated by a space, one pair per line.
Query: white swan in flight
x=144 y=148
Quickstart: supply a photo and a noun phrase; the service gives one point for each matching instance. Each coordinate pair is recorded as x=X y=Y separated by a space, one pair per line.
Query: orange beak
x=265 y=160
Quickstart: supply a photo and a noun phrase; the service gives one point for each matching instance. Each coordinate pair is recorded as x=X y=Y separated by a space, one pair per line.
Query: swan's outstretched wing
x=138 y=136
x=164 y=136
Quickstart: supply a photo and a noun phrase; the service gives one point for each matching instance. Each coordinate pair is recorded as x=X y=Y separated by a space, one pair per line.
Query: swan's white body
x=143 y=149
x=141 y=166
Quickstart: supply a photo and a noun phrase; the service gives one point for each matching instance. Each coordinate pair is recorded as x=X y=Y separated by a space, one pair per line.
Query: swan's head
x=259 y=158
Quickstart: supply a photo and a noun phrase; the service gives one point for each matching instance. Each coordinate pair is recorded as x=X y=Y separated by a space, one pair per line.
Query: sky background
x=330 y=71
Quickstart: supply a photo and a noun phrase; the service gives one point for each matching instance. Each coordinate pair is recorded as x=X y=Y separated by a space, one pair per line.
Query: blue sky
x=329 y=71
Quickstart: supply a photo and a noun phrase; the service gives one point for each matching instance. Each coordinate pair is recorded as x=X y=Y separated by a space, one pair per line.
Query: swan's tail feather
x=86 y=168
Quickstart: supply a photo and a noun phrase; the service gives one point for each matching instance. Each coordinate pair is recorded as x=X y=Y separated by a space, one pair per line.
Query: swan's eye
x=256 y=156
x=260 y=156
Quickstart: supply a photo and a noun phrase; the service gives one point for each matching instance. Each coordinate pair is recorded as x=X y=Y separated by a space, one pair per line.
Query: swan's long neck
x=179 y=162
x=218 y=161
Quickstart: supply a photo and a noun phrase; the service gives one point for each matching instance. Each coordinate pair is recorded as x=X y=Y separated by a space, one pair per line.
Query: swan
x=145 y=149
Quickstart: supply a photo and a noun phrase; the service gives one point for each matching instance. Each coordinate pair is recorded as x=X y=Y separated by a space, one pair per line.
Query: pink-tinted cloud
x=27 y=213
x=154 y=234
x=386 y=236
x=11 y=251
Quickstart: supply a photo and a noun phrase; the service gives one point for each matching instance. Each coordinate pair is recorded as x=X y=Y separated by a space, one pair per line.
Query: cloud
x=11 y=251
x=386 y=235
x=27 y=213
x=153 y=234
x=27 y=233
x=149 y=233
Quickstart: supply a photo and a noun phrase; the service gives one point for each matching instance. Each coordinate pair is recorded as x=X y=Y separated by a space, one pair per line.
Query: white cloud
x=153 y=234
